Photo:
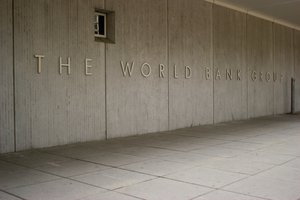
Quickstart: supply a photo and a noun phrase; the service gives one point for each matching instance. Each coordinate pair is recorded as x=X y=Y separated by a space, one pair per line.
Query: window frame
x=97 y=14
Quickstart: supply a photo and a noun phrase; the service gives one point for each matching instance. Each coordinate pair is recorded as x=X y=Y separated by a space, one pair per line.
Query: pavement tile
x=223 y=195
x=159 y=189
x=157 y=167
x=270 y=188
x=71 y=168
x=207 y=177
x=112 y=178
x=61 y=189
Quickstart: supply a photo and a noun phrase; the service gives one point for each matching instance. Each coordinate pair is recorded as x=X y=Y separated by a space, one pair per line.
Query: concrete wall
x=190 y=37
x=54 y=109
x=230 y=91
x=137 y=104
x=259 y=61
x=6 y=78
x=284 y=65
x=201 y=56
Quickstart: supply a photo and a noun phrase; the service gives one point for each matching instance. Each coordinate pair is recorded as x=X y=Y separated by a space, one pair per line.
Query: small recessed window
x=104 y=26
x=100 y=25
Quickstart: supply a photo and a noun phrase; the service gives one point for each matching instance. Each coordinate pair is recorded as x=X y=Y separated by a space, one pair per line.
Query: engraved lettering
x=228 y=74
x=268 y=76
x=207 y=73
x=275 y=76
x=218 y=75
x=161 y=71
x=175 y=72
x=39 y=63
x=253 y=75
x=88 y=66
x=61 y=65
x=146 y=74
x=261 y=76
x=188 y=72
x=127 y=69
x=239 y=75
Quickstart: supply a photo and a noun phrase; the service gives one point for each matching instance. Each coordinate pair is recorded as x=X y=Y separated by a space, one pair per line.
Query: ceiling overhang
x=285 y=12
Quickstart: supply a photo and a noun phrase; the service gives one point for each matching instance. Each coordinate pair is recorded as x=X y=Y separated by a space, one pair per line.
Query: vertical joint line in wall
x=212 y=60
x=105 y=83
x=168 y=62
x=14 y=76
x=246 y=65
x=294 y=54
x=273 y=63
x=293 y=104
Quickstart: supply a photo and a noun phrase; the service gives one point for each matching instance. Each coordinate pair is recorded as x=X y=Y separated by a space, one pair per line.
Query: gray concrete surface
x=260 y=93
x=6 y=78
x=283 y=63
x=141 y=37
x=186 y=96
x=49 y=106
x=230 y=95
x=257 y=159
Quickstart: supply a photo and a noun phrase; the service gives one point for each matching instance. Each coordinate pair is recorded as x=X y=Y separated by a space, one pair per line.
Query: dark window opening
x=100 y=25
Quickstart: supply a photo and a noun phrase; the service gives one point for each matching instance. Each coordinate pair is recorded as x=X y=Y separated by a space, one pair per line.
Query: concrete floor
x=244 y=160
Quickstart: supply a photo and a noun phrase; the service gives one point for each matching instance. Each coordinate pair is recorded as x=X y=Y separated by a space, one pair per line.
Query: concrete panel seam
x=212 y=61
x=273 y=58
x=247 y=69
x=14 y=75
x=168 y=60
x=105 y=84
